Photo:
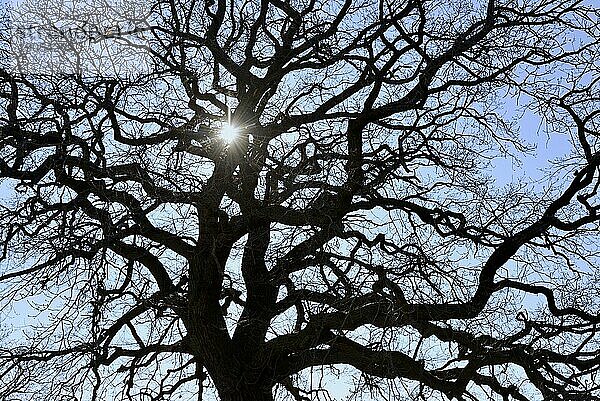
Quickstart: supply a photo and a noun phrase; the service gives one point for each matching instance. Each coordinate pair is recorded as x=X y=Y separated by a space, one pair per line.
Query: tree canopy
x=249 y=199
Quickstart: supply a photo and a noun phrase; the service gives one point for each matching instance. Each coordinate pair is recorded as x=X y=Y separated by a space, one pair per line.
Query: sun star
x=229 y=133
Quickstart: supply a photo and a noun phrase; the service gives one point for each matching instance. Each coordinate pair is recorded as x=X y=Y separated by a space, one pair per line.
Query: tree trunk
x=247 y=392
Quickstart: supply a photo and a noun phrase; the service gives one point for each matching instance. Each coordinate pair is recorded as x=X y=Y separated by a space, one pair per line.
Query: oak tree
x=250 y=199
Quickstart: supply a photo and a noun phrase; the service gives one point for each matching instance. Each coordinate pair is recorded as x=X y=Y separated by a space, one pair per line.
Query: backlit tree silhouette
x=248 y=199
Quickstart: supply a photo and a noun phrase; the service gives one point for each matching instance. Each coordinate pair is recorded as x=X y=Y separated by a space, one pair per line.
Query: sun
x=229 y=133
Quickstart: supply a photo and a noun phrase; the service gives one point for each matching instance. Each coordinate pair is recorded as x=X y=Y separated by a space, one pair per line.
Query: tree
x=355 y=220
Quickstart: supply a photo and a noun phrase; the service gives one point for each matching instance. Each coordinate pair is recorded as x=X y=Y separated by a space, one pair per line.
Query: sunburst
x=229 y=133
